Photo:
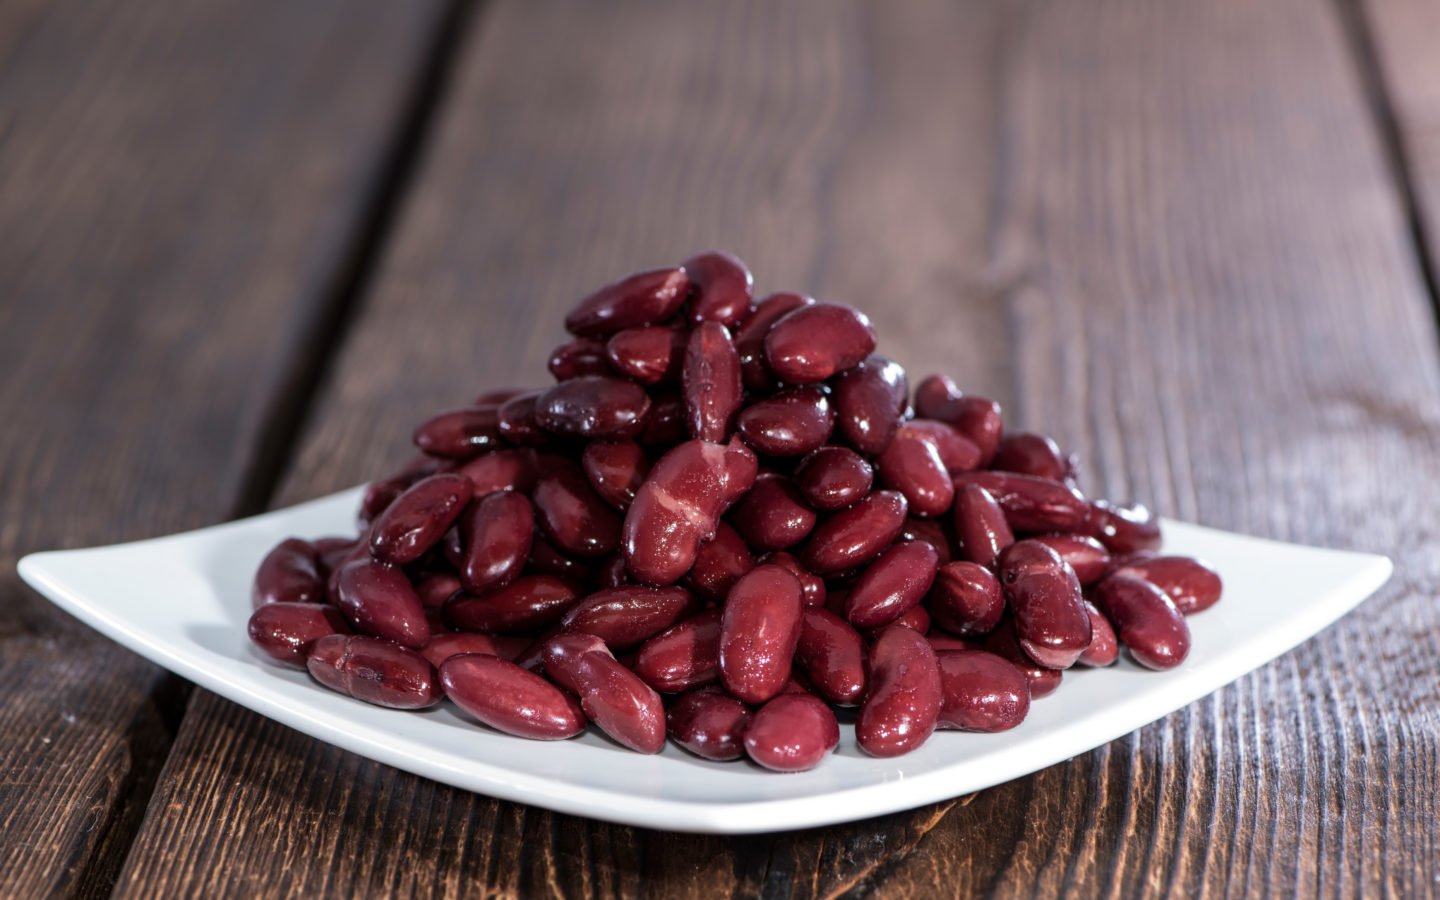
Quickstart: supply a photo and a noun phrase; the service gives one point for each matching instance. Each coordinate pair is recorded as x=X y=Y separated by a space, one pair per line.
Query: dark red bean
x=977 y=418
x=917 y=618
x=811 y=343
x=289 y=573
x=719 y=562
x=419 y=518
x=610 y=573
x=902 y=705
x=645 y=298
x=508 y=698
x=792 y=733
x=812 y=587
x=526 y=604
x=546 y=560
x=436 y=588
x=912 y=466
x=709 y=725
x=711 y=388
x=593 y=406
x=1003 y=643
x=833 y=655
x=378 y=600
x=612 y=696
x=722 y=288
x=892 y=585
x=578 y=358
x=758 y=632
x=750 y=339
x=502 y=470
x=572 y=516
x=679 y=506
x=870 y=401
x=773 y=515
x=648 y=355
x=684 y=656
x=459 y=433
x=332 y=582
x=1031 y=454
x=1030 y=503
x=790 y=423
x=981 y=692
x=941 y=642
x=444 y=646
x=981 y=532
x=380 y=494
x=518 y=423
x=1146 y=621
x=285 y=631
x=616 y=470
x=1087 y=556
x=832 y=478
x=1104 y=646
x=930 y=532
x=373 y=670
x=1044 y=594
x=856 y=535
x=665 y=426
x=966 y=599
x=957 y=452
x=1192 y=585
x=630 y=614
x=496 y=534
x=1122 y=529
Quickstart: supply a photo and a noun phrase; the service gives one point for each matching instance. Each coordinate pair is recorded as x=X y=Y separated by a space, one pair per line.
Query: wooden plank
x=1144 y=226
x=180 y=188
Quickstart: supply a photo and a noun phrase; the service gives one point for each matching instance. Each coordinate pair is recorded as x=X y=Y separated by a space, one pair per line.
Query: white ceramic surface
x=183 y=601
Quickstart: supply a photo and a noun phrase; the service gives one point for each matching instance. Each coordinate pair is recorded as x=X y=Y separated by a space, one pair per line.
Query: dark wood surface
x=1189 y=239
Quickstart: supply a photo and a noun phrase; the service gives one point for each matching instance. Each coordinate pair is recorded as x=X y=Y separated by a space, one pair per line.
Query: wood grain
x=179 y=186
x=1164 y=232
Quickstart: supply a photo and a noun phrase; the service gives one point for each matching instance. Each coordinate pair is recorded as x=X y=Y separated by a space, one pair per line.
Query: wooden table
x=244 y=244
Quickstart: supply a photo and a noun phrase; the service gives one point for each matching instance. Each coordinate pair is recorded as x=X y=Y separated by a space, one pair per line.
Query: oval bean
x=711 y=386
x=1192 y=585
x=966 y=599
x=580 y=357
x=750 y=339
x=527 y=604
x=373 y=670
x=511 y=699
x=419 y=518
x=722 y=289
x=1027 y=453
x=981 y=532
x=719 y=562
x=285 y=631
x=1146 y=621
x=645 y=298
x=709 y=725
x=902 y=705
x=616 y=470
x=811 y=343
x=856 y=535
x=612 y=696
x=976 y=418
x=1044 y=594
x=833 y=655
x=649 y=355
x=502 y=470
x=758 y=632
x=1123 y=529
x=870 y=401
x=1030 y=503
x=289 y=573
x=1104 y=646
x=630 y=614
x=593 y=406
x=459 y=433
x=1085 y=555
x=572 y=516
x=496 y=534
x=892 y=585
x=791 y=423
x=772 y=516
x=444 y=646
x=912 y=466
x=792 y=733
x=981 y=692
x=377 y=599
x=832 y=478
x=684 y=656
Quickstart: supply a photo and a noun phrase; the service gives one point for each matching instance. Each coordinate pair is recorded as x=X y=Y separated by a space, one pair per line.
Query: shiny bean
x=977 y=418
x=856 y=535
x=792 y=733
x=1104 y=646
x=957 y=452
x=373 y=670
x=902 y=706
x=722 y=288
x=526 y=604
x=1123 y=529
x=981 y=692
x=378 y=600
x=1030 y=503
x=750 y=339
x=930 y=532
x=811 y=343
x=616 y=470
x=572 y=516
x=812 y=587
x=496 y=533
x=330 y=552
x=683 y=656
x=758 y=632
x=790 y=423
x=709 y=725
x=832 y=478
x=711 y=383
x=436 y=588
x=612 y=696
x=380 y=494
x=1146 y=621
x=518 y=422
x=870 y=400
x=511 y=699
x=610 y=573
x=833 y=655
x=444 y=646
x=1044 y=595
x=719 y=562
x=665 y=426
x=418 y=518
x=917 y=618
x=892 y=585
x=546 y=560
x=1027 y=453
x=648 y=355
x=912 y=466
x=578 y=358
x=630 y=614
x=289 y=573
x=1192 y=585
x=1087 y=556
x=645 y=298
x=459 y=433
x=773 y=515
x=941 y=642
x=285 y=631
x=981 y=532
x=966 y=599
x=502 y=470
x=593 y=406
x=1003 y=643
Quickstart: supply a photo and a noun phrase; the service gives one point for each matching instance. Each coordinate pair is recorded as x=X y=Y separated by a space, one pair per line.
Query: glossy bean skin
x=930 y=532
x=811 y=343
x=978 y=419
x=759 y=629
x=1003 y=643
x=289 y=573
x=511 y=699
x=917 y=618
x=833 y=655
x=1145 y=620
x=285 y=631
x=683 y=656
x=1027 y=453
x=419 y=518
x=578 y=358
x=1104 y=646
x=630 y=614
x=832 y=478
x=791 y=423
x=870 y=401
x=680 y=505
x=572 y=516
x=856 y=535
x=648 y=355
x=502 y=470
x=545 y=559
x=709 y=725
x=373 y=670
x=1030 y=503
x=593 y=406
x=902 y=706
x=1044 y=594
x=957 y=452
x=750 y=339
x=912 y=466
x=1123 y=529
x=527 y=604
x=722 y=289
x=665 y=426
x=459 y=433
x=380 y=494
x=616 y=470
x=496 y=534
x=812 y=587
x=966 y=599
x=436 y=588
x=443 y=646
x=981 y=531
x=1085 y=555
x=711 y=383
x=645 y=298
x=330 y=552
x=792 y=733
x=377 y=599
x=773 y=515
x=941 y=642
x=612 y=696
x=981 y=692
x=892 y=585
x=1192 y=585
x=719 y=562
x=610 y=572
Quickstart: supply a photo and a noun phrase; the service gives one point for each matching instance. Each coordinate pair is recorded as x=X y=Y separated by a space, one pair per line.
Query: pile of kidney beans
x=725 y=519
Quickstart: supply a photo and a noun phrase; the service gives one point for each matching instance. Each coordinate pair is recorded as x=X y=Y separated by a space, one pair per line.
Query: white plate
x=183 y=601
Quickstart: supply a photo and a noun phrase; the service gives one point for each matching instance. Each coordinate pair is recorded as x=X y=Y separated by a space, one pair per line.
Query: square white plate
x=183 y=602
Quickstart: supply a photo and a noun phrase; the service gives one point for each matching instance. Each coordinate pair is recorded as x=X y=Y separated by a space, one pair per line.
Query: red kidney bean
x=833 y=655
x=941 y=642
x=1044 y=594
x=929 y=532
x=892 y=585
x=683 y=656
x=572 y=516
x=644 y=298
x=612 y=696
x=966 y=599
x=870 y=401
x=750 y=339
x=1191 y=585
x=444 y=646
x=1146 y=620
x=1032 y=504
x=332 y=582
x=378 y=600
x=502 y=470
x=977 y=418
x=526 y=604
x=665 y=426
x=546 y=560
x=811 y=343
x=1122 y=529
x=1027 y=453
x=578 y=358
x=1003 y=643
x=285 y=631
x=459 y=433
x=518 y=424
x=832 y=478
x=981 y=692
x=436 y=588
x=916 y=619
x=616 y=470
x=508 y=698
x=709 y=725
x=957 y=452
x=418 y=518
x=1087 y=556
x=1104 y=647
x=380 y=494
x=981 y=531
x=496 y=534
x=790 y=423
x=772 y=516
x=792 y=733
x=758 y=632
x=649 y=355
x=373 y=670
x=856 y=535
x=628 y=615
x=719 y=562
x=593 y=406
x=722 y=288
x=912 y=466
x=679 y=505
x=812 y=586
x=711 y=387
x=902 y=705
x=289 y=573
x=329 y=553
